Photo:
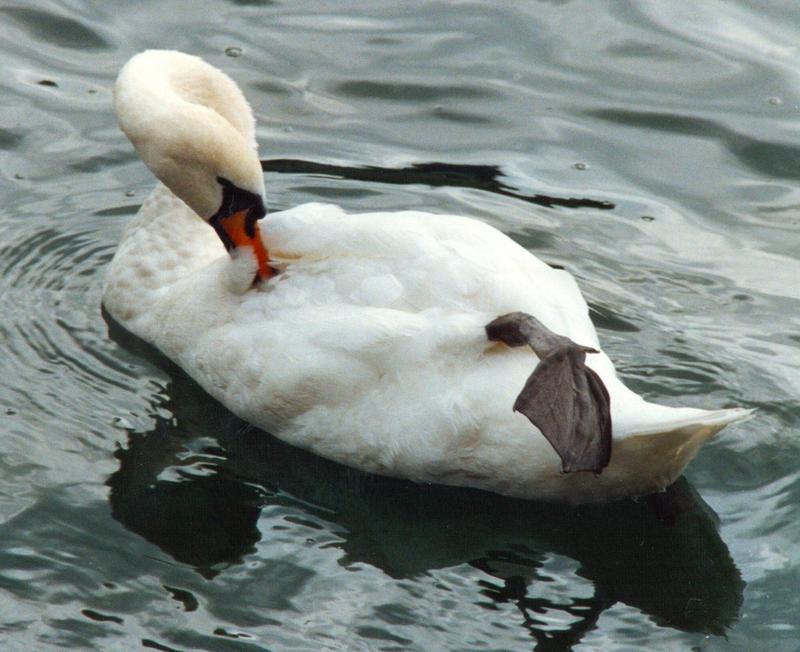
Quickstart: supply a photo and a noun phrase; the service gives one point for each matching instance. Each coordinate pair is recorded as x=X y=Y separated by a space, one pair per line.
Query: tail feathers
x=652 y=419
x=649 y=460
x=649 y=452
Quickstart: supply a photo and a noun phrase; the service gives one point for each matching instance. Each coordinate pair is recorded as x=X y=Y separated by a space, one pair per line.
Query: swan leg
x=563 y=397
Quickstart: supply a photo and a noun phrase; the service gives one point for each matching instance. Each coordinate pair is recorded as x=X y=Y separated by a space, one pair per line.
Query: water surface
x=649 y=148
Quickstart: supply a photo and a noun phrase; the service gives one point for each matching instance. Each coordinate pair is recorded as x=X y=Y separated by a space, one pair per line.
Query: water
x=651 y=148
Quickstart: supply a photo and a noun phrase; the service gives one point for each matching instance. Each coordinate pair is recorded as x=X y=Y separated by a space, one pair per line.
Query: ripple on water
x=774 y=160
x=55 y=29
x=58 y=363
x=408 y=92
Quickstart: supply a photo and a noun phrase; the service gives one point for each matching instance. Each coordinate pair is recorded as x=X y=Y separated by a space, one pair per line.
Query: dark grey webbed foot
x=563 y=397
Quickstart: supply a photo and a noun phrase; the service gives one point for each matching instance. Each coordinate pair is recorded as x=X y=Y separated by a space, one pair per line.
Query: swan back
x=190 y=124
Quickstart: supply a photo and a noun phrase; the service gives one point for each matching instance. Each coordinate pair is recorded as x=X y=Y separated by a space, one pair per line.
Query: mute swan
x=391 y=342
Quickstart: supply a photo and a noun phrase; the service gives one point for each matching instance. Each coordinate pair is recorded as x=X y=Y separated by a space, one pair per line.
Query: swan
x=416 y=345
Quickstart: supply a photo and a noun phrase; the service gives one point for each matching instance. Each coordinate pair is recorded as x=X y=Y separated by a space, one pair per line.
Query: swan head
x=193 y=128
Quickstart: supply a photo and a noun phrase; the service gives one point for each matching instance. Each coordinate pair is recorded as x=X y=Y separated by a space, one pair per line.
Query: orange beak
x=242 y=234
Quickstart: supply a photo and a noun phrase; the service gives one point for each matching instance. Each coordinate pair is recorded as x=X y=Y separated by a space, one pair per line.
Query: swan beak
x=238 y=231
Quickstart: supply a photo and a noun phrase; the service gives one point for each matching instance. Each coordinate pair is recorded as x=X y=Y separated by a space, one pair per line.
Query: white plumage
x=368 y=347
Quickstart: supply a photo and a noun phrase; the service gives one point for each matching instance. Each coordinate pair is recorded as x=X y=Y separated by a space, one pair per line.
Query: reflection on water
x=196 y=483
x=477 y=177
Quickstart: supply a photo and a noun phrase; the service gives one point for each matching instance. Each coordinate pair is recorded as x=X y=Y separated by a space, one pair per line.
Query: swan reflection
x=195 y=485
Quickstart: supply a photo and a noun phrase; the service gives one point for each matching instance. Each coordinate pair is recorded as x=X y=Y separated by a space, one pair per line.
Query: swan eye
x=236 y=223
x=235 y=199
x=240 y=207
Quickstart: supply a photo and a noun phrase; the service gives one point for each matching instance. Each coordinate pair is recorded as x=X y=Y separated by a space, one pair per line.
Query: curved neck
x=190 y=124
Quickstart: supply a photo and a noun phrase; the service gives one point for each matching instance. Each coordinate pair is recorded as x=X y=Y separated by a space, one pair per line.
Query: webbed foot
x=563 y=397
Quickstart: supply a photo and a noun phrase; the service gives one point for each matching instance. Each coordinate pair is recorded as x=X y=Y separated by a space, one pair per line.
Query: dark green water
x=137 y=513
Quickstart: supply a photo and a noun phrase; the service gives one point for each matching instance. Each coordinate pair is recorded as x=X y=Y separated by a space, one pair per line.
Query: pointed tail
x=653 y=455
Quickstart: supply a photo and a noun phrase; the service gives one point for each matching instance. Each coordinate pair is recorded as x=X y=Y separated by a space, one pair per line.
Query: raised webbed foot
x=563 y=397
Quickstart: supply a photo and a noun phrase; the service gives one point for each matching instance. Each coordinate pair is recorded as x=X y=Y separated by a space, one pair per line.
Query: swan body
x=365 y=340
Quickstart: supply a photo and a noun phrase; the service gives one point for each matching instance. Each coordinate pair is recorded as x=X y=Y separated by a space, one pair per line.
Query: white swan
x=363 y=337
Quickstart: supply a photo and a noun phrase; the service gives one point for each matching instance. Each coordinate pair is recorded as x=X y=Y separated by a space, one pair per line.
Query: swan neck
x=190 y=124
